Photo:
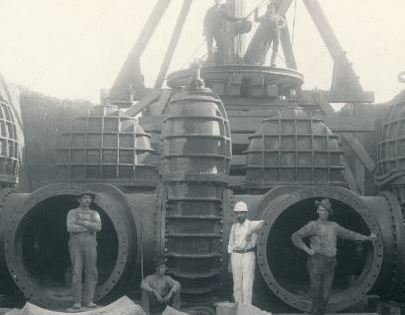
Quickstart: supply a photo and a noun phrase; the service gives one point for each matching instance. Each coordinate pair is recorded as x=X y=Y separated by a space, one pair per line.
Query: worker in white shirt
x=241 y=247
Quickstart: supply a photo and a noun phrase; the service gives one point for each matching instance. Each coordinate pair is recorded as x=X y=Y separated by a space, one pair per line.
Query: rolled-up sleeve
x=349 y=235
x=231 y=243
x=256 y=226
x=307 y=230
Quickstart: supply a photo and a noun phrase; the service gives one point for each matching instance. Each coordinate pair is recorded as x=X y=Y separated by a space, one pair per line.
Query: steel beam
x=359 y=151
x=173 y=43
x=324 y=29
x=283 y=6
x=131 y=74
x=345 y=84
x=287 y=48
x=143 y=103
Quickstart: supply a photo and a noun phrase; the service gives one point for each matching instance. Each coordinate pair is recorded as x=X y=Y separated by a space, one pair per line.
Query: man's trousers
x=152 y=306
x=259 y=46
x=83 y=255
x=243 y=272
x=321 y=270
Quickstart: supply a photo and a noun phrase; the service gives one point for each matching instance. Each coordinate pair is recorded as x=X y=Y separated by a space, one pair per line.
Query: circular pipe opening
x=353 y=258
x=283 y=266
x=36 y=245
x=42 y=243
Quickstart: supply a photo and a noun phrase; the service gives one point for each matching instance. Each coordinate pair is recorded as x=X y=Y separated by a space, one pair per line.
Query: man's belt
x=242 y=251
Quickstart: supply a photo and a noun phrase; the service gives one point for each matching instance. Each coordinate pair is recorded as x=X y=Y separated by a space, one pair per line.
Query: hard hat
x=240 y=206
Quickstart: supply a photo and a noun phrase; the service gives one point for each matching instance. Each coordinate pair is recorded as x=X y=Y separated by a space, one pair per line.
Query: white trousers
x=243 y=272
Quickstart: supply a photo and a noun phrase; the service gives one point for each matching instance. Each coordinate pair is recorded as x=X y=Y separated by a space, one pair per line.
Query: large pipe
x=285 y=210
x=35 y=240
x=34 y=237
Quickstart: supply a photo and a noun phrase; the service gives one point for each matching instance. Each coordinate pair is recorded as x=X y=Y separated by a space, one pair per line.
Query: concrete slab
x=9 y=311
x=171 y=311
x=226 y=308
x=250 y=310
x=123 y=306
x=329 y=314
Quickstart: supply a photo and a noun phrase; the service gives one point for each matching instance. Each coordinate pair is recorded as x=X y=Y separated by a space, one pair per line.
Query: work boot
x=77 y=306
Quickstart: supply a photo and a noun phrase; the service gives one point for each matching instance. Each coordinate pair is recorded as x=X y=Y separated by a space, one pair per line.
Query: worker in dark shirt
x=83 y=224
x=215 y=28
x=267 y=32
x=321 y=262
x=159 y=290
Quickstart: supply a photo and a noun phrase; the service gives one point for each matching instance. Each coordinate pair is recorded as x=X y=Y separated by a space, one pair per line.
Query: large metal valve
x=196 y=159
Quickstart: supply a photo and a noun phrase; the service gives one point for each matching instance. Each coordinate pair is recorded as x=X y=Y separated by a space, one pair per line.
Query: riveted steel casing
x=293 y=147
x=196 y=159
x=107 y=146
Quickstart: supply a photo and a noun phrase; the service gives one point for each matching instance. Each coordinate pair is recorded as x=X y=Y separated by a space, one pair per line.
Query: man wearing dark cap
x=159 y=290
x=83 y=224
x=321 y=262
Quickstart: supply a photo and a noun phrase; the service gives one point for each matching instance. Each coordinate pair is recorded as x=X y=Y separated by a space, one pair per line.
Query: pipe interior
x=42 y=242
x=288 y=263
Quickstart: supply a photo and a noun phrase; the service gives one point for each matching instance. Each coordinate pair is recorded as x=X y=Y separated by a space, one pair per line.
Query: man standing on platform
x=83 y=224
x=241 y=247
x=215 y=28
x=267 y=33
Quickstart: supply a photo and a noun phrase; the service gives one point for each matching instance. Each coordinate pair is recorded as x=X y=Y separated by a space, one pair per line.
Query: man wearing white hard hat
x=241 y=247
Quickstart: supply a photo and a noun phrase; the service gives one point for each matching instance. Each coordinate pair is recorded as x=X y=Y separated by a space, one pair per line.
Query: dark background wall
x=44 y=118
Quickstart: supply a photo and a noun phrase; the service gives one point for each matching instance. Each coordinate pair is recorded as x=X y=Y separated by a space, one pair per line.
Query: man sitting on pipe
x=83 y=224
x=160 y=290
x=241 y=247
x=321 y=262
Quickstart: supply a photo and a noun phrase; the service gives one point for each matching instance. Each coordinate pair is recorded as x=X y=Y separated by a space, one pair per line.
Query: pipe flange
x=397 y=288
